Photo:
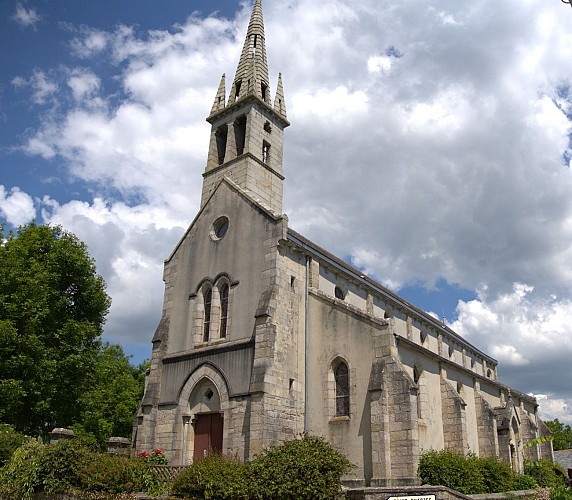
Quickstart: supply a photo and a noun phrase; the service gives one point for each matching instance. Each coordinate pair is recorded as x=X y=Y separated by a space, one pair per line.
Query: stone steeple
x=247 y=130
x=252 y=71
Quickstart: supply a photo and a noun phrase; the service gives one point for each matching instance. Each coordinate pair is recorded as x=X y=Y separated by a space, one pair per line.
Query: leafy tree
x=52 y=310
x=561 y=434
x=115 y=392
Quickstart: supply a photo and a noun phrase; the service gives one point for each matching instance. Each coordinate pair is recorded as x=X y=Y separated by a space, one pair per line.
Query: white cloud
x=26 y=17
x=16 y=206
x=552 y=408
x=89 y=42
x=83 y=83
x=42 y=86
x=338 y=104
x=129 y=245
x=377 y=64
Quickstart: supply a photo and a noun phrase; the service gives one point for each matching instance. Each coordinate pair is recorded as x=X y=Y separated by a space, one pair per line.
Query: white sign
x=414 y=497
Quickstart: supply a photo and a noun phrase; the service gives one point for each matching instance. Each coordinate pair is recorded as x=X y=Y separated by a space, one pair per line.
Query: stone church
x=265 y=335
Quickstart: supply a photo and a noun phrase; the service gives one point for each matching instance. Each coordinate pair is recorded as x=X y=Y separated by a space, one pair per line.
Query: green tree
x=52 y=310
x=115 y=392
x=561 y=434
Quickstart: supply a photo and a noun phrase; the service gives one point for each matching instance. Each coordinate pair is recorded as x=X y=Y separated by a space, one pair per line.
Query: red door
x=208 y=434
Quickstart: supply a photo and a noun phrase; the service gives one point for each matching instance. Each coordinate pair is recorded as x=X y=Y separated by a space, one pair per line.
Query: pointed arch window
x=208 y=300
x=223 y=309
x=342 y=379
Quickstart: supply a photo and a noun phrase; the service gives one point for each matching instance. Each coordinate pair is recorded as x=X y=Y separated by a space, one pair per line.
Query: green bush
x=546 y=473
x=525 y=482
x=302 y=468
x=20 y=476
x=498 y=476
x=113 y=474
x=10 y=441
x=213 y=477
x=59 y=465
x=472 y=475
x=71 y=466
x=561 y=492
x=306 y=468
x=448 y=468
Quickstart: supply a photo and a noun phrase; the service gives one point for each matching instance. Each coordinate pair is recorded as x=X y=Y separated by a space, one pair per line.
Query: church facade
x=264 y=335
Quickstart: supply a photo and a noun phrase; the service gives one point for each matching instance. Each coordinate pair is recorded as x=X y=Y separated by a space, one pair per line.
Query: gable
x=231 y=236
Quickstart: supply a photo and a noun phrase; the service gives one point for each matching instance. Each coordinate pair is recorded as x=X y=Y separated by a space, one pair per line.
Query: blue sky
x=429 y=146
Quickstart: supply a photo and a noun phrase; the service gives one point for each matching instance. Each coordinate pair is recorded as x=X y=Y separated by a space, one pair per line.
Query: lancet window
x=208 y=298
x=342 y=379
x=223 y=294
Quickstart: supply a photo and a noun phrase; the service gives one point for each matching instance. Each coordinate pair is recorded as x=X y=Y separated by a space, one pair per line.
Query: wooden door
x=208 y=434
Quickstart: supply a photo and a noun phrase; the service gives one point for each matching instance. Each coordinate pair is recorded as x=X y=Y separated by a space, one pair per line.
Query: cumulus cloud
x=529 y=334
x=88 y=42
x=83 y=83
x=16 y=207
x=426 y=144
x=552 y=408
x=129 y=245
x=26 y=17
x=42 y=86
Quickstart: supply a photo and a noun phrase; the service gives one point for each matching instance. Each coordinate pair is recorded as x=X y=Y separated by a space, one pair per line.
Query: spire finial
x=252 y=71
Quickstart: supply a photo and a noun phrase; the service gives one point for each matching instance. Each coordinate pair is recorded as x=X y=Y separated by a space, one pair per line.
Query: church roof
x=564 y=458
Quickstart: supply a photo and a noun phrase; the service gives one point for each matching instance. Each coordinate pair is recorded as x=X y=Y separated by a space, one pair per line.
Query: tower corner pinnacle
x=279 y=102
x=219 y=102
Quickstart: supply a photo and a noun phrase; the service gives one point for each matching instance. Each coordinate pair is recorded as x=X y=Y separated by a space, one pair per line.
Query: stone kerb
x=405 y=492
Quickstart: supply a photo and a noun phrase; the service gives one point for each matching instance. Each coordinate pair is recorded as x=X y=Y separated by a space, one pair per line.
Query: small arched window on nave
x=342 y=378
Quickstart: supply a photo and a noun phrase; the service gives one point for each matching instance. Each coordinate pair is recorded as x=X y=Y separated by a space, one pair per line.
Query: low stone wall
x=406 y=492
x=430 y=493
x=522 y=495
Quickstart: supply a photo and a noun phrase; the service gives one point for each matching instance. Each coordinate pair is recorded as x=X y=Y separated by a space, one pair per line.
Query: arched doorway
x=207 y=419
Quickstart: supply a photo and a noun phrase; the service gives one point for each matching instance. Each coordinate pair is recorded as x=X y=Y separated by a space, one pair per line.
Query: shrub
x=561 y=492
x=448 y=468
x=302 y=468
x=10 y=440
x=20 y=476
x=113 y=474
x=498 y=476
x=213 y=477
x=545 y=472
x=525 y=482
x=59 y=465
x=71 y=466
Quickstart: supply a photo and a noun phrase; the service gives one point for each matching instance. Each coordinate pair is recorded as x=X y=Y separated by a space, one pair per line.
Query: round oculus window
x=220 y=227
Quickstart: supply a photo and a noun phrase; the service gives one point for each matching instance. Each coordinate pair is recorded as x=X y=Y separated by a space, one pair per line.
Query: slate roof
x=564 y=458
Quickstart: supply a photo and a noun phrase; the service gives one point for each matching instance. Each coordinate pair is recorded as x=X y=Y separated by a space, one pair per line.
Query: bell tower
x=246 y=143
